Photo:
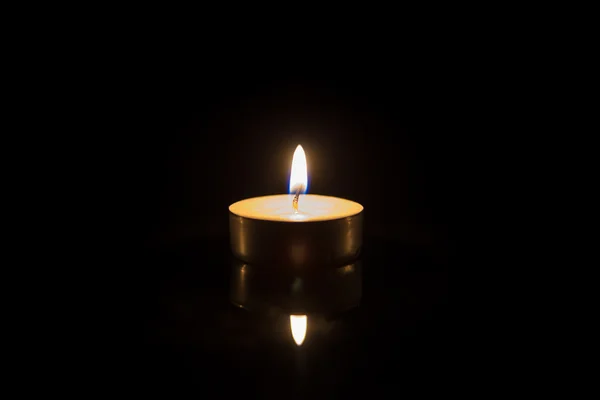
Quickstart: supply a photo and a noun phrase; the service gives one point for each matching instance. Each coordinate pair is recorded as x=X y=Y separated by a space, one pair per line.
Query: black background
x=188 y=139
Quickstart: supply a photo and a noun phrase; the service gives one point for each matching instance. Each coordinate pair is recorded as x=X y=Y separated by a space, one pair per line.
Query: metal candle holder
x=297 y=245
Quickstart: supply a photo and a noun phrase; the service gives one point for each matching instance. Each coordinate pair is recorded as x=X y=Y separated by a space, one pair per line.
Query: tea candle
x=311 y=208
x=296 y=229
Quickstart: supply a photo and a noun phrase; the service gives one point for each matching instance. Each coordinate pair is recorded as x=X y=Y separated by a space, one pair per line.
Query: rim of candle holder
x=315 y=219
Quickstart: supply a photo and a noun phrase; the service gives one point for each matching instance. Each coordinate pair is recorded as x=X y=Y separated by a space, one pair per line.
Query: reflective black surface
x=390 y=332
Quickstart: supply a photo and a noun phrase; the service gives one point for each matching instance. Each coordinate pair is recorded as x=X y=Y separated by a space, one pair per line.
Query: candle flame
x=298 y=324
x=298 y=177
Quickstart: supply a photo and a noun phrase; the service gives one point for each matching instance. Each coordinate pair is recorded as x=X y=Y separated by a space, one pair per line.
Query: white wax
x=311 y=207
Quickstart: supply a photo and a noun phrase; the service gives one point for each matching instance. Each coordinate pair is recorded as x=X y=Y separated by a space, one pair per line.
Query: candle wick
x=296 y=197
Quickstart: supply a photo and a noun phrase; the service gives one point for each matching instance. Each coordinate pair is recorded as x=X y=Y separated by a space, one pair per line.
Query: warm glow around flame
x=298 y=324
x=299 y=174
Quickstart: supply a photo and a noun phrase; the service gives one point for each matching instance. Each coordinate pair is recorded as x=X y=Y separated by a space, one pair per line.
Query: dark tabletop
x=182 y=332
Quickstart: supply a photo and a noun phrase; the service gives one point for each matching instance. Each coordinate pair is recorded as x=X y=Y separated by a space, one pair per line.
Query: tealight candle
x=296 y=229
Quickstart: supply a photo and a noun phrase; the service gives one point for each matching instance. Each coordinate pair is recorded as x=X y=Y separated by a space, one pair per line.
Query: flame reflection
x=298 y=324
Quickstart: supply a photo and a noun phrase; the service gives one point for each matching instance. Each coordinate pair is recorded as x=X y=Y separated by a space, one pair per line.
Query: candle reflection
x=327 y=292
x=298 y=324
x=290 y=299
